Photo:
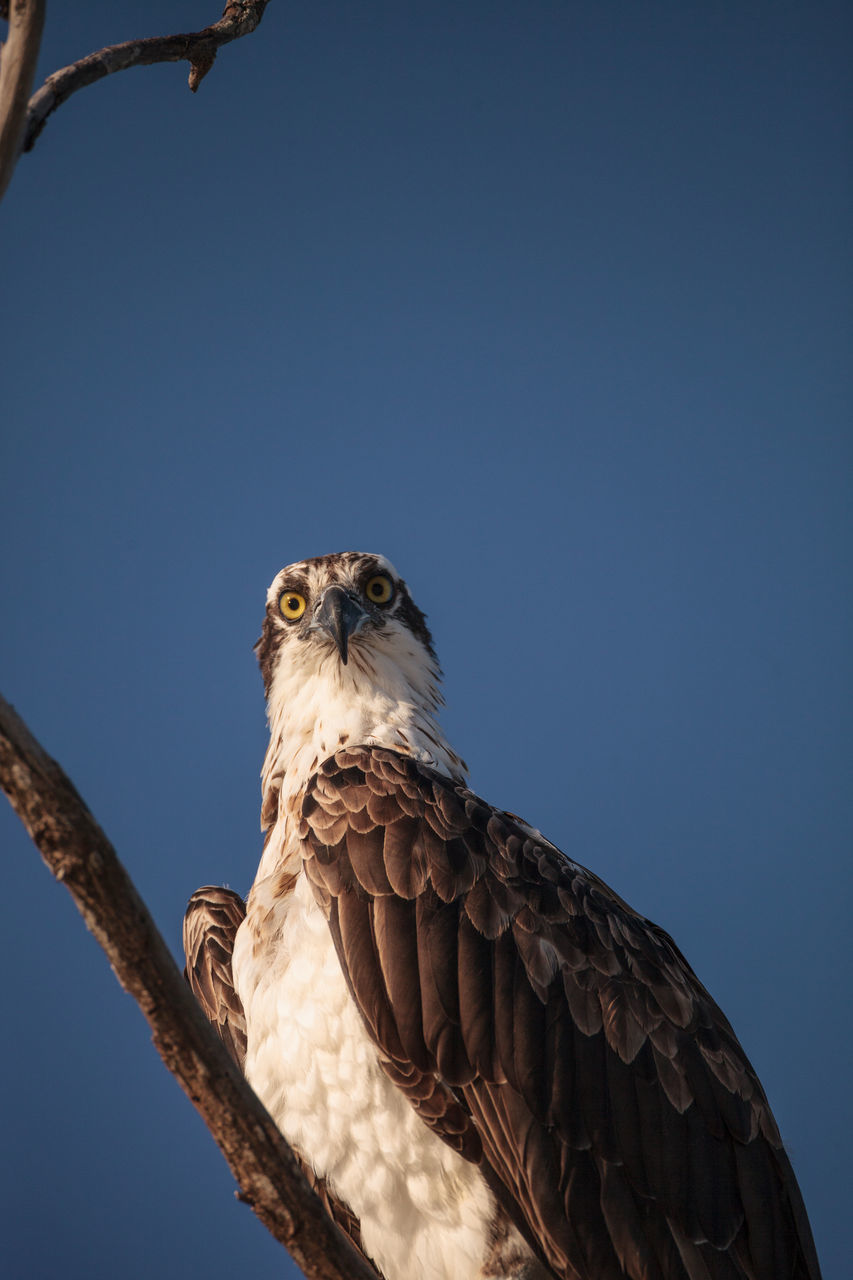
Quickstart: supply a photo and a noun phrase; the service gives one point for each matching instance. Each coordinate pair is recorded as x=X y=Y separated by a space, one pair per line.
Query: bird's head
x=346 y=658
x=343 y=615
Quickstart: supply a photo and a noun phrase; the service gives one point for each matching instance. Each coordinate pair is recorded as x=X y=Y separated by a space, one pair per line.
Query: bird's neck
x=314 y=713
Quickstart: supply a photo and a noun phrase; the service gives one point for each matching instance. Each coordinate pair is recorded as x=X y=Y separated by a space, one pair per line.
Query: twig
x=79 y=854
x=199 y=48
x=17 y=67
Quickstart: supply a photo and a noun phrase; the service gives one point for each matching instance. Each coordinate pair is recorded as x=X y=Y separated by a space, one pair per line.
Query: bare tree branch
x=18 y=132
x=79 y=854
x=18 y=58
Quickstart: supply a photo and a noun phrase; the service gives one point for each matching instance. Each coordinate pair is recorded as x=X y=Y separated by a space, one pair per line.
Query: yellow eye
x=292 y=605
x=379 y=590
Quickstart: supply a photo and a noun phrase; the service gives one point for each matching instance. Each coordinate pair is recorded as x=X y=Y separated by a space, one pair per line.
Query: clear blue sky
x=550 y=303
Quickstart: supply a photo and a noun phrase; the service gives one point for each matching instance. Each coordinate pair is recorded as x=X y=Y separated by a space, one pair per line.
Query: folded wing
x=550 y=1033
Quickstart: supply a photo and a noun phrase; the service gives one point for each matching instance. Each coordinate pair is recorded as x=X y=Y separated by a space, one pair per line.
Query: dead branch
x=199 y=48
x=80 y=855
x=18 y=58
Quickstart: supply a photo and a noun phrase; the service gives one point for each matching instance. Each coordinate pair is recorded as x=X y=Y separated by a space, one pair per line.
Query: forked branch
x=199 y=48
x=80 y=855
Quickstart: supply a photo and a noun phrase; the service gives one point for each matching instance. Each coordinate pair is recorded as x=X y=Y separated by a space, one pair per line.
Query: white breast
x=425 y=1212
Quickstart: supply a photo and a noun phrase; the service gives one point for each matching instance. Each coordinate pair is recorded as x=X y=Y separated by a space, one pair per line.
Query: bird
x=487 y=1063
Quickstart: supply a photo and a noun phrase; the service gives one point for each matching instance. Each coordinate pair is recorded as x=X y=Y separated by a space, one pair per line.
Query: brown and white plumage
x=490 y=1060
x=212 y=918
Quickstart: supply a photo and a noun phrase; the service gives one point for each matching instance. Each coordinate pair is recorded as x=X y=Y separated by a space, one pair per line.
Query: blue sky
x=551 y=304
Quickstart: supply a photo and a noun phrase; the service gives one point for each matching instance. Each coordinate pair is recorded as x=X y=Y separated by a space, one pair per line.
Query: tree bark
x=21 y=123
x=82 y=858
x=18 y=58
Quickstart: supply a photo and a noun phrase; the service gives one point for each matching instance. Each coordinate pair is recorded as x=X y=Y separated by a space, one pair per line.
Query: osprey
x=487 y=1062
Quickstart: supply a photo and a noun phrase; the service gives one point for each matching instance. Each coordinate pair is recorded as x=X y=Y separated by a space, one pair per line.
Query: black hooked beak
x=340 y=616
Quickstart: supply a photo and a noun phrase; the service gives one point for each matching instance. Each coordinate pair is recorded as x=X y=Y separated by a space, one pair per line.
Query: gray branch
x=82 y=858
x=199 y=48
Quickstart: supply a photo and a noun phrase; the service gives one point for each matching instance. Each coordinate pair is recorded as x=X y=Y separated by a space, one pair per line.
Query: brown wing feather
x=527 y=1011
x=212 y=918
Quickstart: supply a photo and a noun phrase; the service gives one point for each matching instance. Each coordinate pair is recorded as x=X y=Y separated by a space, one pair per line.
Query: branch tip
x=200 y=64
